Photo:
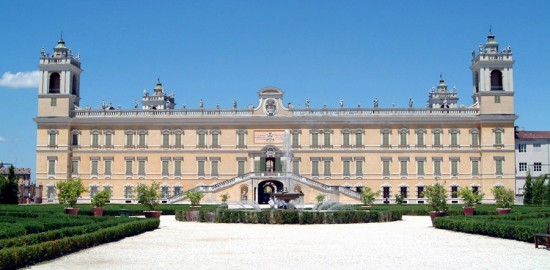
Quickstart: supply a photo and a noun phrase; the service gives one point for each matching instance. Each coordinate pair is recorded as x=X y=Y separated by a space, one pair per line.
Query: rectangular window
x=202 y=141
x=95 y=140
x=295 y=140
x=403 y=192
x=165 y=190
x=498 y=166
x=454 y=192
x=359 y=139
x=94 y=170
x=215 y=141
x=386 y=192
x=346 y=166
x=177 y=190
x=129 y=139
x=537 y=166
x=74 y=167
x=522 y=148
x=497 y=99
x=359 y=168
x=177 y=141
x=296 y=166
x=420 y=192
x=523 y=166
x=75 y=139
x=403 y=139
x=165 y=168
x=314 y=139
x=345 y=139
x=327 y=139
x=93 y=191
x=108 y=140
x=200 y=168
x=129 y=170
x=420 y=139
x=315 y=168
x=437 y=167
x=454 y=167
x=536 y=147
x=403 y=167
x=240 y=167
x=385 y=139
x=214 y=168
x=53 y=102
x=386 y=167
x=141 y=140
x=326 y=167
x=240 y=140
x=475 y=139
x=50 y=193
x=420 y=167
x=127 y=192
x=165 y=140
x=141 y=167
x=437 y=139
x=177 y=167
x=498 y=138
x=51 y=139
x=108 y=164
x=454 y=139
x=51 y=167
x=475 y=167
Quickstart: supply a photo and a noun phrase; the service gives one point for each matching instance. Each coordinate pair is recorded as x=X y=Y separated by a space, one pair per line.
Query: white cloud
x=26 y=79
x=2 y=139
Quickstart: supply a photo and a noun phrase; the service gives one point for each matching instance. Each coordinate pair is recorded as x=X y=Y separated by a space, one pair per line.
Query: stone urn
x=71 y=211
x=434 y=214
x=98 y=211
x=469 y=211
x=152 y=214
x=504 y=211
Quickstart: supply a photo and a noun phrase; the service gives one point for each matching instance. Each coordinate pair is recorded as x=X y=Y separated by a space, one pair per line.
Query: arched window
x=74 y=86
x=496 y=80
x=55 y=83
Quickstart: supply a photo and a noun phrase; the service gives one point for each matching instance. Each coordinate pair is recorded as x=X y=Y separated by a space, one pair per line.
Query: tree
x=69 y=191
x=149 y=195
x=437 y=197
x=368 y=196
x=538 y=190
x=528 y=190
x=8 y=188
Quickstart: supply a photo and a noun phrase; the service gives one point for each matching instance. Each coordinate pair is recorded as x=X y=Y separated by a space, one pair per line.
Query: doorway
x=266 y=189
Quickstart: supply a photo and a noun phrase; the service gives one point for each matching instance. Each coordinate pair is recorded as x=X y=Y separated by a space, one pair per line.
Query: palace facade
x=274 y=146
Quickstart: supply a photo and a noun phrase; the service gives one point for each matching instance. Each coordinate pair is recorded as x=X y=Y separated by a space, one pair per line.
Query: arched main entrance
x=266 y=188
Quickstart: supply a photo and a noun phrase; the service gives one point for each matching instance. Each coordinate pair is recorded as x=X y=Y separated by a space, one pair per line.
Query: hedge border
x=18 y=257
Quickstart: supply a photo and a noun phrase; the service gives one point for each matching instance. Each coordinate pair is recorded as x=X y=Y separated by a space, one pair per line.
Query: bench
x=545 y=236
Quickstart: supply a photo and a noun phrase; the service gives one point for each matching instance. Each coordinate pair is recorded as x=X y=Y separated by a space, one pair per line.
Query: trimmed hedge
x=518 y=226
x=16 y=257
x=288 y=216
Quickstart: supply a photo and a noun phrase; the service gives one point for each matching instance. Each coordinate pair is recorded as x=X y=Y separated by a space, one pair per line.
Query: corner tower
x=59 y=86
x=493 y=80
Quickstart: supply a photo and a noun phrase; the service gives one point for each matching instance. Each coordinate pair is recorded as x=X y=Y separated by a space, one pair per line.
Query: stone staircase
x=281 y=176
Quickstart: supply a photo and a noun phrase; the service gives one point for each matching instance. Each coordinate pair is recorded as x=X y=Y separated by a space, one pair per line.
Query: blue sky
x=221 y=50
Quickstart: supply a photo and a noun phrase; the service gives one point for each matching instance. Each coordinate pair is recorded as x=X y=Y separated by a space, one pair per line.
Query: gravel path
x=411 y=243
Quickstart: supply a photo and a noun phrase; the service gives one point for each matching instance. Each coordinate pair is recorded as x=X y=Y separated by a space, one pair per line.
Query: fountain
x=284 y=197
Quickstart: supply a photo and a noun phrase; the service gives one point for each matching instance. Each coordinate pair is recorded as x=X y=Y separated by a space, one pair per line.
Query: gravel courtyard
x=411 y=243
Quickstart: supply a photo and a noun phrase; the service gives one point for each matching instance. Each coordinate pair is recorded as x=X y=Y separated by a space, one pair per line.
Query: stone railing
x=343 y=112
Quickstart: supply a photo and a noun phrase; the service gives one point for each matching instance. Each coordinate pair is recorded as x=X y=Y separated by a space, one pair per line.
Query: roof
x=18 y=171
x=531 y=135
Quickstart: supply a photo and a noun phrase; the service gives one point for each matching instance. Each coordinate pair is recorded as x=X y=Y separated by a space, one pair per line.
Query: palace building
x=251 y=152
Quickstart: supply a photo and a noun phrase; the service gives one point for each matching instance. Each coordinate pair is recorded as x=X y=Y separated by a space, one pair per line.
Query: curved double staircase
x=280 y=176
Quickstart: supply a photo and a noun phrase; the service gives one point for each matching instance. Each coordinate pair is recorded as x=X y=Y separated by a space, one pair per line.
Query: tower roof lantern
x=159 y=90
x=60 y=44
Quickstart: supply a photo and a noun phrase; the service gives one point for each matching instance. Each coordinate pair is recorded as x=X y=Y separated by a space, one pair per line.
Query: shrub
x=68 y=191
x=368 y=196
x=469 y=197
x=101 y=198
x=437 y=197
x=504 y=198
x=194 y=196
x=149 y=196
x=320 y=198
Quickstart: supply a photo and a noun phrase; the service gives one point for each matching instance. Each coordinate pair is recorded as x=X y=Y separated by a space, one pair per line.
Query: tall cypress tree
x=8 y=188
x=528 y=190
x=539 y=190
